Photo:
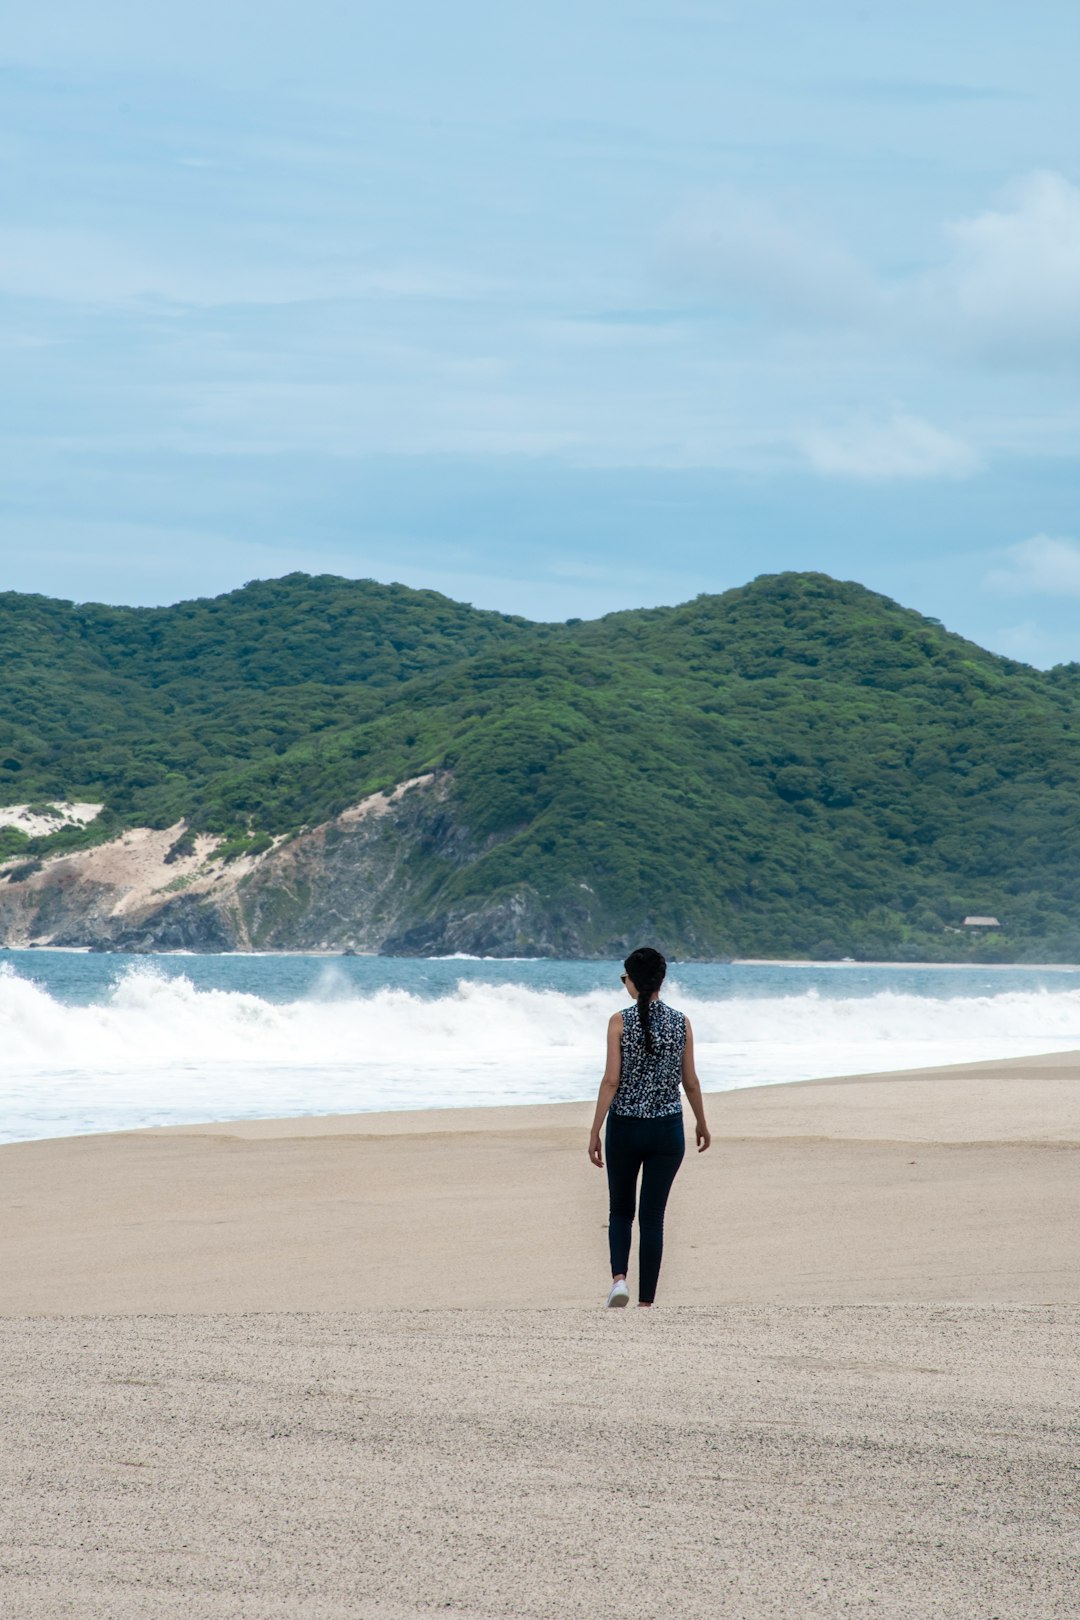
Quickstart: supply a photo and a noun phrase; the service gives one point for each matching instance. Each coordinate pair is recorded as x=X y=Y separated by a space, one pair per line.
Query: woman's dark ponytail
x=647 y=969
x=643 y=1019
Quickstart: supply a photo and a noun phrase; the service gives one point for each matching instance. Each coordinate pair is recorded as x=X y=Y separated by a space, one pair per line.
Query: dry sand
x=357 y=1366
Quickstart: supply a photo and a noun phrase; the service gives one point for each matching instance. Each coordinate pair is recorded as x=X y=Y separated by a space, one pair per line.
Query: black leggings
x=656 y=1148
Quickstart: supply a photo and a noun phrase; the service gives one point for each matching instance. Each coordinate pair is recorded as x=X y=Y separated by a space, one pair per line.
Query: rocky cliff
x=364 y=881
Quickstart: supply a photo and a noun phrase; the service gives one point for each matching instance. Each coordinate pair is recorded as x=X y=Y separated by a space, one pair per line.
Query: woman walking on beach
x=650 y=1054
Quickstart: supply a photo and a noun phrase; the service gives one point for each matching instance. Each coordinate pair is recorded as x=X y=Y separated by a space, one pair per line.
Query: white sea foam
x=157 y=1049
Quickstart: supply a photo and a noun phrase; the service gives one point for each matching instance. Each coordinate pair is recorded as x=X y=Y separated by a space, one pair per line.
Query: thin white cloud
x=93 y=268
x=1042 y=565
x=1005 y=287
x=738 y=245
x=903 y=447
x=1010 y=287
x=1032 y=643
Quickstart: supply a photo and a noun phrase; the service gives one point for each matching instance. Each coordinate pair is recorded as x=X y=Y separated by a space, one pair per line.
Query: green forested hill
x=145 y=707
x=797 y=766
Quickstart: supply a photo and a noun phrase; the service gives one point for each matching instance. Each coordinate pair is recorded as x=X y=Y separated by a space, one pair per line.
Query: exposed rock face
x=369 y=880
x=120 y=895
x=372 y=880
x=350 y=882
x=188 y=923
x=514 y=924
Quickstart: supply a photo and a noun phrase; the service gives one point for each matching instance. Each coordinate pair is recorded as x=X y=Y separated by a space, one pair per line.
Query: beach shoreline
x=98 y=1044
x=920 y=1184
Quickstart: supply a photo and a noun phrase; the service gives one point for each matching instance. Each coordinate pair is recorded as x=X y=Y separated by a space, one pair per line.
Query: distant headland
x=796 y=768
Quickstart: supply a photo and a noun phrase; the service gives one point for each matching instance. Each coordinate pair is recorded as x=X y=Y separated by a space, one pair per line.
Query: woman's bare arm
x=609 y=1085
x=692 y=1087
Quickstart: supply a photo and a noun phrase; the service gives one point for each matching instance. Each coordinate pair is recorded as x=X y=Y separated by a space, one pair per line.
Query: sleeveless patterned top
x=649 y=1082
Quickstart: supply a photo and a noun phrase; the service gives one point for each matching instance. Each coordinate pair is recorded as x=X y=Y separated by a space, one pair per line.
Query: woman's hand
x=595 y=1155
x=692 y=1087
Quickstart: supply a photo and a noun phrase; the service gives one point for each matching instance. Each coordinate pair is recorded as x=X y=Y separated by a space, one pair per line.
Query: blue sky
x=557 y=309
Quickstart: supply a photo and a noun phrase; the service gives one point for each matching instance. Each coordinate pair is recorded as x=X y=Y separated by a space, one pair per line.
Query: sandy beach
x=357 y=1366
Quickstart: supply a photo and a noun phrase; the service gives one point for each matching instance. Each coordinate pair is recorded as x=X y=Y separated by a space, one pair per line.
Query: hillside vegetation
x=798 y=766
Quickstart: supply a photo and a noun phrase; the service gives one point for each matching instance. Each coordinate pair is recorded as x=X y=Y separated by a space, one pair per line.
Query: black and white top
x=649 y=1081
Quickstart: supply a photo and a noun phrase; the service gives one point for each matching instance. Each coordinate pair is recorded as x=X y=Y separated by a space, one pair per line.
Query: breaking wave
x=155 y=1048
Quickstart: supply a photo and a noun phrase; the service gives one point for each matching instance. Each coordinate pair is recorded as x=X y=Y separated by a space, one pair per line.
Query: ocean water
x=97 y=1043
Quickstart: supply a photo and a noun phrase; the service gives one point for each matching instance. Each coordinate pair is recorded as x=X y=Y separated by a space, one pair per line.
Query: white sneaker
x=620 y=1294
